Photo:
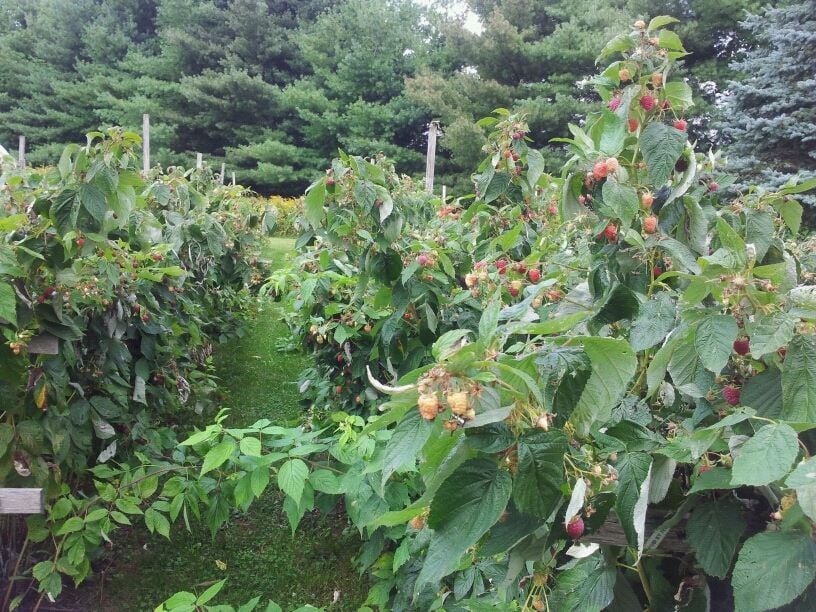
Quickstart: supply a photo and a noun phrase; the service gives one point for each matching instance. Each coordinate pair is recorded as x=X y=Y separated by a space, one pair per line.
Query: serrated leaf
x=540 y=473
x=292 y=477
x=586 y=587
x=769 y=333
x=314 y=201
x=250 y=446
x=633 y=472
x=803 y=481
x=409 y=437
x=679 y=94
x=217 y=455
x=8 y=303
x=465 y=506
x=619 y=201
x=799 y=381
x=773 y=569
x=714 y=530
x=660 y=21
x=73 y=524
x=662 y=146
x=93 y=201
x=325 y=482
x=714 y=341
x=655 y=319
x=613 y=365
x=767 y=456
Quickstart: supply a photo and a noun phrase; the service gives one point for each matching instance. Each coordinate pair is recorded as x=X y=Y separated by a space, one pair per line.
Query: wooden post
x=233 y=178
x=430 y=159
x=199 y=160
x=223 y=169
x=21 y=501
x=21 y=153
x=145 y=143
x=444 y=193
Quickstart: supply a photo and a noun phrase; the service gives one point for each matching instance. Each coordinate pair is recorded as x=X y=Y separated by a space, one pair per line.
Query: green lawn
x=261 y=556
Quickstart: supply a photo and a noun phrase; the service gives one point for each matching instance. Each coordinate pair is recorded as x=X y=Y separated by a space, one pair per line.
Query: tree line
x=274 y=87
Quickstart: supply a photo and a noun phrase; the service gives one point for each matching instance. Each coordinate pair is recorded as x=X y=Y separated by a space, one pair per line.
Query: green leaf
x=767 y=456
x=613 y=365
x=588 y=586
x=633 y=487
x=773 y=569
x=292 y=477
x=670 y=40
x=217 y=455
x=404 y=446
x=620 y=201
x=535 y=166
x=314 y=202
x=250 y=446
x=447 y=344
x=325 y=482
x=210 y=592
x=258 y=480
x=660 y=21
x=679 y=94
x=713 y=479
x=466 y=505
x=654 y=321
x=93 y=200
x=490 y=319
x=714 y=341
x=803 y=481
x=662 y=146
x=714 y=530
x=791 y=212
x=73 y=524
x=540 y=474
x=799 y=381
x=8 y=303
x=769 y=333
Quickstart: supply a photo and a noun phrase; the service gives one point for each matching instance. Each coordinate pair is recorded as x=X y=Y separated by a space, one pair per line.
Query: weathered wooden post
x=145 y=143
x=21 y=501
x=430 y=159
x=221 y=176
x=233 y=179
x=21 y=153
x=199 y=160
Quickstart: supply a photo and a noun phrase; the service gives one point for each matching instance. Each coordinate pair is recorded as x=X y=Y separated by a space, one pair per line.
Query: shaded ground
x=261 y=556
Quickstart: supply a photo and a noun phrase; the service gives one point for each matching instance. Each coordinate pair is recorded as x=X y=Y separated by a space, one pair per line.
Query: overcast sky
x=457 y=7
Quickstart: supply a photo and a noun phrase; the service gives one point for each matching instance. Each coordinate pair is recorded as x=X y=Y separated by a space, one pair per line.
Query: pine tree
x=770 y=113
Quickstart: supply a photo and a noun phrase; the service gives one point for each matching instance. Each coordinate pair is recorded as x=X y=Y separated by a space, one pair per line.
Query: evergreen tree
x=770 y=112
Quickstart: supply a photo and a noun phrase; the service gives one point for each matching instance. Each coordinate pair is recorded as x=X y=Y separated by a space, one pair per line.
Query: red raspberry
x=657 y=271
x=731 y=395
x=647 y=102
x=614 y=103
x=330 y=182
x=741 y=346
x=575 y=528
x=611 y=232
x=599 y=171
x=423 y=260
x=650 y=224
x=633 y=125
x=553 y=209
x=713 y=186
x=680 y=124
x=534 y=275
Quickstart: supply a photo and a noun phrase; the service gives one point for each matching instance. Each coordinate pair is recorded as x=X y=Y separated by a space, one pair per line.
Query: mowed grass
x=260 y=553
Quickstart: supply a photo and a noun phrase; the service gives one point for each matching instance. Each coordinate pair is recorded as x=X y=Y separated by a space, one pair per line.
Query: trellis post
x=145 y=143
x=21 y=153
x=199 y=160
x=430 y=159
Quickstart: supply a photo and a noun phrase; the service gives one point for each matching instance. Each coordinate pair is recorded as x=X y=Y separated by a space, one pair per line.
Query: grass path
x=261 y=555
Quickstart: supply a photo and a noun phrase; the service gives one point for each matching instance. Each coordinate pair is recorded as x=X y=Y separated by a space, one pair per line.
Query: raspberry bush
x=617 y=344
